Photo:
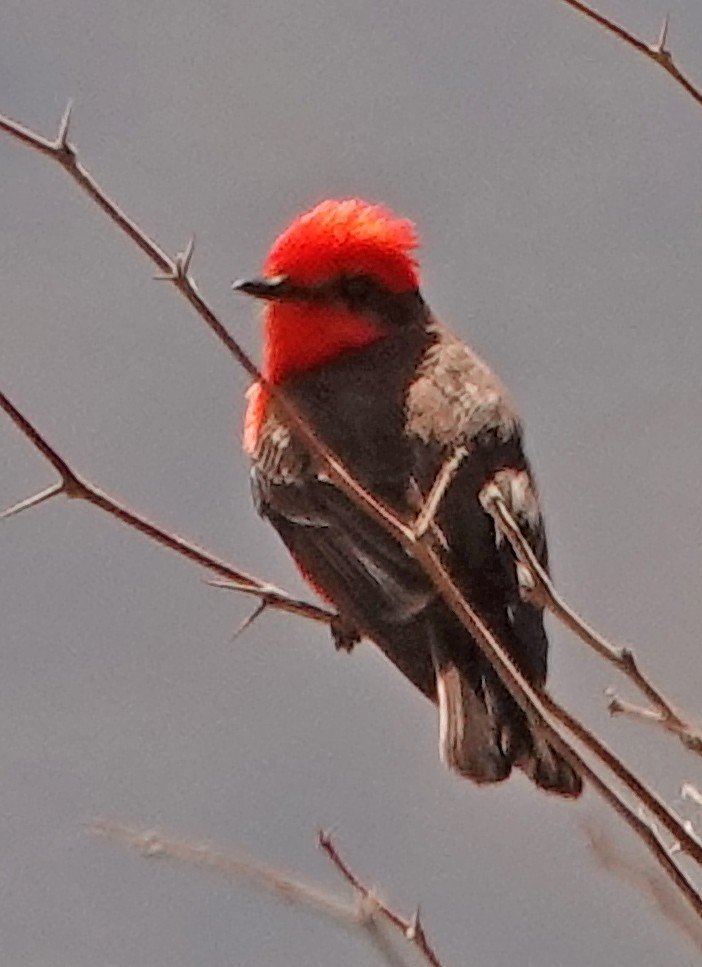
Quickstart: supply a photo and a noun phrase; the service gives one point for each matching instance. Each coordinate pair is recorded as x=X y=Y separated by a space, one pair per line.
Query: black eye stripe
x=358 y=288
x=366 y=294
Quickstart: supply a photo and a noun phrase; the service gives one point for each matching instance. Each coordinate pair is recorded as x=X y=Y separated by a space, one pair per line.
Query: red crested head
x=336 y=279
x=347 y=237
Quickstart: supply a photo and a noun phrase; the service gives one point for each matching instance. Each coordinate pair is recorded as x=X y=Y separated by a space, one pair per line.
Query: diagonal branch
x=73 y=486
x=623 y=659
x=689 y=735
x=412 y=930
x=658 y=52
x=177 y=272
x=444 y=478
x=551 y=720
x=629 y=868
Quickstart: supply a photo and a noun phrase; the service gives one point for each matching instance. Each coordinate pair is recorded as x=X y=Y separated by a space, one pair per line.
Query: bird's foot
x=345 y=636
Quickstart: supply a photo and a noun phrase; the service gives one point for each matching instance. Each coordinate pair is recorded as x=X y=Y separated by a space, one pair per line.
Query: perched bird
x=352 y=343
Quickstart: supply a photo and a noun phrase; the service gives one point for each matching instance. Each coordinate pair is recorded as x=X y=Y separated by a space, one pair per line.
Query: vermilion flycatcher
x=350 y=340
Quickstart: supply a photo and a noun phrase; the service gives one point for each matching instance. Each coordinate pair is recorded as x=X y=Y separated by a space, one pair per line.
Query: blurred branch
x=364 y=915
x=542 y=590
x=657 y=52
x=649 y=882
x=548 y=717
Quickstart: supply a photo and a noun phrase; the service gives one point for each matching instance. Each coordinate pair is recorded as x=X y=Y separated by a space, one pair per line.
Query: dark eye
x=358 y=291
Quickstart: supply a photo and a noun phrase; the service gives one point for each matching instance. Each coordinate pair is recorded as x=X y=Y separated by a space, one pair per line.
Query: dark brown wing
x=347 y=557
x=456 y=401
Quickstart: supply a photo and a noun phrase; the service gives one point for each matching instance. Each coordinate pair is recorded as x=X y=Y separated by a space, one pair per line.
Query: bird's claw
x=345 y=636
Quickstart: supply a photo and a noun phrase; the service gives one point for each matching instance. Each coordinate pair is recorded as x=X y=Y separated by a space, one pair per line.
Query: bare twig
x=361 y=915
x=690 y=736
x=547 y=718
x=663 y=711
x=73 y=486
x=443 y=481
x=657 y=52
x=546 y=715
x=411 y=930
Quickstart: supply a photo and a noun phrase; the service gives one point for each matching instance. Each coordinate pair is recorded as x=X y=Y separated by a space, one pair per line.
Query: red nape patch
x=347 y=236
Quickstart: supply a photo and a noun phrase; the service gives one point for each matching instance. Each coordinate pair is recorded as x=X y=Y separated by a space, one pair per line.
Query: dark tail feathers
x=483 y=733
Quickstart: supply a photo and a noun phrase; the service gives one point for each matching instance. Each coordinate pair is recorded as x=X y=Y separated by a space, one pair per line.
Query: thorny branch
x=367 y=914
x=75 y=487
x=412 y=930
x=663 y=712
x=547 y=716
x=177 y=272
x=543 y=708
x=657 y=52
x=690 y=735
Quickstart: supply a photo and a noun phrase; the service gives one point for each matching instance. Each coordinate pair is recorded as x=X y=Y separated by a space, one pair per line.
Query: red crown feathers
x=347 y=236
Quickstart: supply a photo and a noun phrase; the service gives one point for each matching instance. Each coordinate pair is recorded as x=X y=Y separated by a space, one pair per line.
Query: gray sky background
x=555 y=179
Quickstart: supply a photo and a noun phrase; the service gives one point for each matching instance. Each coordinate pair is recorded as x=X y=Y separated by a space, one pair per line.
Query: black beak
x=274 y=288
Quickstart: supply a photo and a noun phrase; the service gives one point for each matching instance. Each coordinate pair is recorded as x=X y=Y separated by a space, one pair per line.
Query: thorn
x=226 y=584
x=33 y=501
x=614 y=702
x=183 y=259
x=247 y=622
x=221 y=583
x=180 y=265
x=663 y=35
x=414 y=927
x=262 y=591
x=659 y=49
x=324 y=838
x=61 y=142
x=614 y=705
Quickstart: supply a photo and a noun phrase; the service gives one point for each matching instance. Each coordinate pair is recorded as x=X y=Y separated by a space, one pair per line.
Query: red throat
x=296 y=338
